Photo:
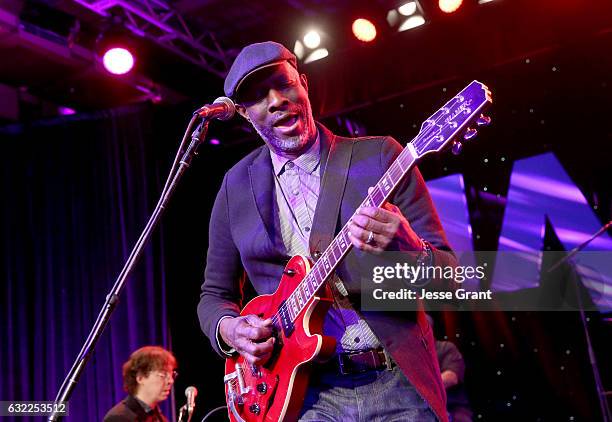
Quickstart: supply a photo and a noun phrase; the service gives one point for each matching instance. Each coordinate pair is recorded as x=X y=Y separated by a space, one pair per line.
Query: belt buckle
x=341 y=365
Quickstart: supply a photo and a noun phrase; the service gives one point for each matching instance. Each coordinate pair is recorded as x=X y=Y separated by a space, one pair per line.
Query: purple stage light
x=65 y=111
x=215 y=141
x=118 y=61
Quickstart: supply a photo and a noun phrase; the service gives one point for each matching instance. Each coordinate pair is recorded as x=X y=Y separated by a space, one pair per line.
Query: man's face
x=156 y=386
x=275 y=101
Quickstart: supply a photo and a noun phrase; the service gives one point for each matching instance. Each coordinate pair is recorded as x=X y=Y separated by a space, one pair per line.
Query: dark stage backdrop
x=76 y=192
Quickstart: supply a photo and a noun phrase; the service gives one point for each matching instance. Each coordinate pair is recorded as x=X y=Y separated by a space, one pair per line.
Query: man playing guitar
x=289 y=197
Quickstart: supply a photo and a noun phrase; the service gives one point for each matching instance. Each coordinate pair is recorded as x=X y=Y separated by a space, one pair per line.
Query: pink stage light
x=118 y=61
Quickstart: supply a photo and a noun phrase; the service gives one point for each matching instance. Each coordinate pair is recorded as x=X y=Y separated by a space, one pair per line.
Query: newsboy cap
x=252 y=58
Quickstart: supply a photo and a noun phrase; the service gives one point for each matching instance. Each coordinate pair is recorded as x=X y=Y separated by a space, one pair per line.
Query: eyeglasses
x=167 y=376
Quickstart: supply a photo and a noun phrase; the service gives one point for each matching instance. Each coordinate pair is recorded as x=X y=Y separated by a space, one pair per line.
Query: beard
x=289 y=144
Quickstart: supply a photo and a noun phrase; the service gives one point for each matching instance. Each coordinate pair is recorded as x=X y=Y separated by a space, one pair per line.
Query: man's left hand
x=373 y=229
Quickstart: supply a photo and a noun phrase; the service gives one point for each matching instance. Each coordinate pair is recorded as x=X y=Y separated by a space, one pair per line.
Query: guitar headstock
x=457 y=116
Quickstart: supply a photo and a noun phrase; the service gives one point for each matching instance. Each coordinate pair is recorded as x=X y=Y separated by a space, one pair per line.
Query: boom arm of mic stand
x=71 y=379
x=601 y=394
x=580 y=247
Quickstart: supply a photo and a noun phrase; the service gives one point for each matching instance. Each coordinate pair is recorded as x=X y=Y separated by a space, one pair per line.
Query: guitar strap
x=330 y=195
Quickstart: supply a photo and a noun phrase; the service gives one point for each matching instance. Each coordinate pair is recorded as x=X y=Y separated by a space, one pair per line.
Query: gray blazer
x=242 y=243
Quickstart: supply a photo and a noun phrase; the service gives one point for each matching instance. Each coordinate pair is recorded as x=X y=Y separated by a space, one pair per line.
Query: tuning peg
x=483 y=120
x=457 y=147
x=469 y=134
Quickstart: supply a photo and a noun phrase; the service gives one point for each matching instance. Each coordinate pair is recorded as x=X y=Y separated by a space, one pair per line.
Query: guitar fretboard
x=436 y=132
x=341 y=245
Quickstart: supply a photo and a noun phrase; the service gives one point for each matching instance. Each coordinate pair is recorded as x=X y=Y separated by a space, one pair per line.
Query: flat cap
x=252 y=58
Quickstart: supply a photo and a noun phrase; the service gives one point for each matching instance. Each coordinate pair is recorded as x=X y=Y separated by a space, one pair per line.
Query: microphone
x=191 y=392
x=222 y=108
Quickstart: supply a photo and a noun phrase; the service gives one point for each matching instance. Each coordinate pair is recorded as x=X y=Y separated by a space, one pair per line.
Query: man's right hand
x=250 y=336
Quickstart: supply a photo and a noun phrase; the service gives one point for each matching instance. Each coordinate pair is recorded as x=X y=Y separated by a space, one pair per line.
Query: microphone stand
x=601 y=393
x=71 y=379
x=184 y=410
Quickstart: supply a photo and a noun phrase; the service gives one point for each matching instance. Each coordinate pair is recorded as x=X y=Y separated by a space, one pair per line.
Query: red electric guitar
x=275 y=392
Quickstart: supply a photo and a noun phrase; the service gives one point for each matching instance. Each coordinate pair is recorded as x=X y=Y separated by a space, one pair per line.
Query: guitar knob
x=255 y=409
x=290 y=272
x=469 y=134
x=262 y=387
x=483 y=120
x=457 y=147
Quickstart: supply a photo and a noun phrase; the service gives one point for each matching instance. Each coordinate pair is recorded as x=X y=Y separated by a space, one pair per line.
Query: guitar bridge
x=232 y=379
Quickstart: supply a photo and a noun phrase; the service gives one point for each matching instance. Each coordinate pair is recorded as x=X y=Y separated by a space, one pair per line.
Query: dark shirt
x=450 y=359
x=131 y=410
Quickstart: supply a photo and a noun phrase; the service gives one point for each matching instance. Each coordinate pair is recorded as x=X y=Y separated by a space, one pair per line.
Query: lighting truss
x=157 y=21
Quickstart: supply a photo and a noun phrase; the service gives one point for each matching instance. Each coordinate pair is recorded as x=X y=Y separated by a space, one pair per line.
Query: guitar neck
x=436 y=132
x=341 y=245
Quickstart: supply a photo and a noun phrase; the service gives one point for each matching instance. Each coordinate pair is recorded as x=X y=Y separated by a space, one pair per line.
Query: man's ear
x=304 y=81
x=140 y=378
x=242 y=111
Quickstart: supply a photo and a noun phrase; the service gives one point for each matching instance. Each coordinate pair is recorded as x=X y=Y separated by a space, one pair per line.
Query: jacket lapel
x=335 y=159
x=262 y=188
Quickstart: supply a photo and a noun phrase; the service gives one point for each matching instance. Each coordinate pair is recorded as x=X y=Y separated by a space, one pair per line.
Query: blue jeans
x=373 y=396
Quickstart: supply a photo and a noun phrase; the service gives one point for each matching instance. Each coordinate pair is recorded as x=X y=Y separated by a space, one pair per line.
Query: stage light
x=310 y=48
x=118 y=61
x=312 y=39
x=115 y=48
x=318 y=54
x=411 y=22
x=66 y=111
x=409 y=15
x=298 y=49
x=449 y=6
x=407 y=9
x=364 y=30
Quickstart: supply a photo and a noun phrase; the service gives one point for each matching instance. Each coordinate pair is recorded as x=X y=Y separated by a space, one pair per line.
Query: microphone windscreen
x=191 y=390
x=231 y=108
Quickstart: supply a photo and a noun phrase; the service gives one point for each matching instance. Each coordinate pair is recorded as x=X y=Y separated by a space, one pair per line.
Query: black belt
x=357 y=362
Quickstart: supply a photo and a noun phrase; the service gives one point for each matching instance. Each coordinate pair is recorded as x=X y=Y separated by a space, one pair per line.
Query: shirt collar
x=308 y=161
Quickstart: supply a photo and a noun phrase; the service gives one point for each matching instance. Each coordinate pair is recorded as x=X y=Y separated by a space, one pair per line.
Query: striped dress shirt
x=297 y=185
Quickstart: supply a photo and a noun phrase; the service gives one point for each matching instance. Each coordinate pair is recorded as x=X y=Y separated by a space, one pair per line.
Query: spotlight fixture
x=312 y=39
x=407 y=9
x=364 y=30
x=118 y=61
x=65 y=111
x=115 y=50
x=449 y=6
x=409 y=15
x=309 y=48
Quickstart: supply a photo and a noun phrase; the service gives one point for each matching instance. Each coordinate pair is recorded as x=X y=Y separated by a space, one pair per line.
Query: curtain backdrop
x=77 y=191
